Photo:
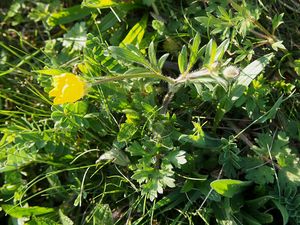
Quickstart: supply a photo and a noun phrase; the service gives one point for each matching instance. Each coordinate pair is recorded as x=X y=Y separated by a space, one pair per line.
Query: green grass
x=191 y=115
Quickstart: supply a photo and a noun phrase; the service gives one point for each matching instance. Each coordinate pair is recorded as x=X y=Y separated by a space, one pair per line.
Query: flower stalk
x=107 y=79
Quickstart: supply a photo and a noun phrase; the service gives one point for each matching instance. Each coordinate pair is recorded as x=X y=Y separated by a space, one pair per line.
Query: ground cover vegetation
x=149 y=112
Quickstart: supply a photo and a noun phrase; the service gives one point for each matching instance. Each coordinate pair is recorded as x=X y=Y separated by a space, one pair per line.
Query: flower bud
x=231 y=72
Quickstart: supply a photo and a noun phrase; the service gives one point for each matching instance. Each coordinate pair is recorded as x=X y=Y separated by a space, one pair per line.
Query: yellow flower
x=67 y=88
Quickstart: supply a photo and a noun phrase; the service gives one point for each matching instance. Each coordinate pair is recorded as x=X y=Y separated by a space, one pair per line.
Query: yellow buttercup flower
x=67 y=88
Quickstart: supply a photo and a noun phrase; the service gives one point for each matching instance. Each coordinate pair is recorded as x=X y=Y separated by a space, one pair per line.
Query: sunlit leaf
x=136 y=34
x=104 y=3
x=68 y=15
x=19 y=212
x=229 y=187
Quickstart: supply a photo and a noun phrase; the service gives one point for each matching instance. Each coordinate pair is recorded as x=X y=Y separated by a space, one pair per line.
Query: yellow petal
x=67 y=88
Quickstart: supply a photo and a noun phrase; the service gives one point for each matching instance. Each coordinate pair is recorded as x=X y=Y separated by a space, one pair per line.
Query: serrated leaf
x=229 y=187
x=276 y=21
x=135 y=149
x=177 y=158
x=261 y=175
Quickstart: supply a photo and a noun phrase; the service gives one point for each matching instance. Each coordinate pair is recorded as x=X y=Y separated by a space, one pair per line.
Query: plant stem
x=132 y=76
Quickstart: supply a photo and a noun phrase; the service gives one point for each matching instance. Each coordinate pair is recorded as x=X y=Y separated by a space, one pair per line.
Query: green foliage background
x=165 y=135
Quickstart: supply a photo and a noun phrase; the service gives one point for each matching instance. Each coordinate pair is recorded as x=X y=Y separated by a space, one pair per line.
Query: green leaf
x=117 y=155
x=104 y=4
x=129 y=54
x=194 y=49
x=159 y=26
x=291 y=173
x=248 y=74
x=64 y=219
x=75 y=38
x=100 y=215
x=110 y=19
x=79 y=107
x=182 y=60
x=135 y=149
x=276 y=21
x=222 y=48
x=258 y=202
x=261 y=175
x=148 y=2
x=162 y=60
x=242 y=82
x=68 y=15
x=272 y=112
x=127 y=130
x=177 y=158
x=53 y=72
x=224 y=13
x=136 y=34
x=283 y=211
x=249 y=219
x=210 y=53
x=297 y=66
x=262 y=217
x=18 y=158
x=14 y=9
x=229 y=187
x=278 y=45
x=19 y=212
x=41 y=221
x=187 y=186
x=152 y=54
x=57 y=115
